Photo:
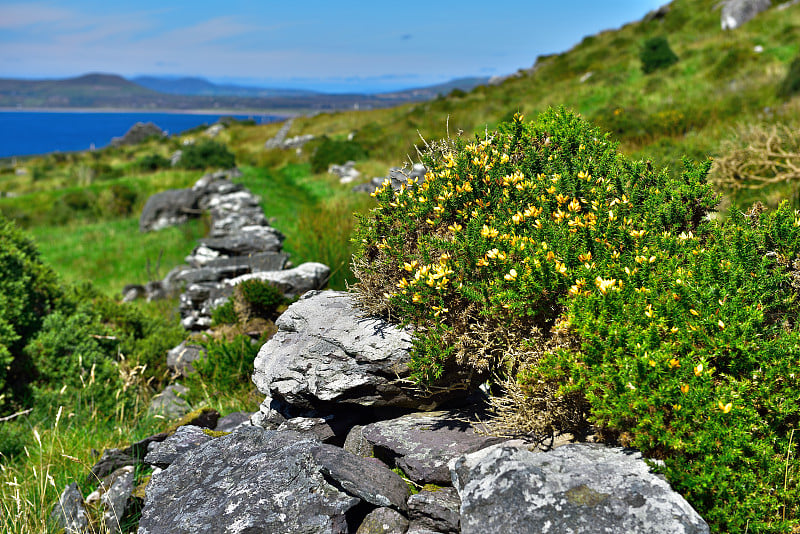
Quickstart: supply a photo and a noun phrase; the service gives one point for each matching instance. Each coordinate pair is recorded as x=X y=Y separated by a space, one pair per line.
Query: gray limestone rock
x=184 y=439
x=232 y=421
x=168 y=208
x=577 y=488
x=737 y=12
x=355 y=442
x=138 y=133
x=437 y=511
x=252 y=480
x=292 y=282
x=324 y=352
x=383 y=521
x=369 y=481
x=313 y=427
x=248 y=240
x=422 y=444
x=116 y=497
x=180 y=358
x=169 y=402
x=69 y=512
x=110 y=461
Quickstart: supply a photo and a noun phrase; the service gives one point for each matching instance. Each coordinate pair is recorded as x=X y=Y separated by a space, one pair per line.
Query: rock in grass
x=576 y=489
x=69 y=512
x=383 y=521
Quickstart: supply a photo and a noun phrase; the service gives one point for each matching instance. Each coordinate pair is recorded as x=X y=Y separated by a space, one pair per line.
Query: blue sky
x=327 y=45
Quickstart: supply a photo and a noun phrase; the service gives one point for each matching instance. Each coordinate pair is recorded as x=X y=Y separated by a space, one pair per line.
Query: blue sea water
x=38 y=132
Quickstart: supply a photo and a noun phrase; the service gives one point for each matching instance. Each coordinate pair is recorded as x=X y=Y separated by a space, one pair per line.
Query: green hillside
x=729 y=97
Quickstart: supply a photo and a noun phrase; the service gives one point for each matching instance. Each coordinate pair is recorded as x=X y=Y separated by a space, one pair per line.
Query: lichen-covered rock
x=170 y=402
x=252 y=480
x=577 y=488
x=369 y=481
x=438 y=511
x=180 y=358
x=383 y=521
x=184 y=439
x=168 y=208
x=116 y=498
x=423 y=443
x=69 y=512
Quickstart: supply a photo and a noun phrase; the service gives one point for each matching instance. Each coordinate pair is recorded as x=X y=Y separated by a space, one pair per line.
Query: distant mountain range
x=148 y=92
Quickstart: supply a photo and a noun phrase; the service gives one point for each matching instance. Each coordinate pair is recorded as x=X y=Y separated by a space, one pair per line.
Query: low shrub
x=152 y=162
x=207 y=154
x=790 y=85
x=227 y=365
x=594 y=290
x=257 y=298
x=330 y=151
x=224 y=314
x=656 y=54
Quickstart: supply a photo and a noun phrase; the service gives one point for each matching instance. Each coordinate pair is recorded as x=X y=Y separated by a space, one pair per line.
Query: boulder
x=737 y=12
x=292 y=282
x=248 y=240
x=114 y=494
x=356 y=444
x=326 y=356
x=168 y=208
x=254 y=479
x=162 y=454
x=577 y=488
x=69 y=512
x=110 y=461
x=138 y=133
x=169 y=402
x=383 y=521
x=422 y=444
x=436 y=511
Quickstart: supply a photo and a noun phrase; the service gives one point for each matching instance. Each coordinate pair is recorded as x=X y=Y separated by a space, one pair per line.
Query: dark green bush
x=258 y=298
x=28 y=292
x=595 y=290
x=152 y=162
x=224 y=314
x=656 y=54
x=790 y=85
x=116 y=201
x=330 y=151
x=207 y=154
x=227 y=365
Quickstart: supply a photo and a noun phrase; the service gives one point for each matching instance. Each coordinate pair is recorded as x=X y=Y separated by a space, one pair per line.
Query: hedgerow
x=597 y=295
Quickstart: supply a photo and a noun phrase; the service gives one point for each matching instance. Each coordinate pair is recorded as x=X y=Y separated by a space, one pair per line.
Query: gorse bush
x=153 y=162
x=206 y=154
x=594 y=290
x=656 y=54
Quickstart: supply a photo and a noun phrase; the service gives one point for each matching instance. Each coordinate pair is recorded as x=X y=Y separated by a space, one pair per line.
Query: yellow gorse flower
x=512 y=275
x=726 y=408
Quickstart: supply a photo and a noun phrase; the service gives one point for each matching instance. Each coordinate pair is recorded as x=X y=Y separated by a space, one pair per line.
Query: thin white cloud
x=21 y=15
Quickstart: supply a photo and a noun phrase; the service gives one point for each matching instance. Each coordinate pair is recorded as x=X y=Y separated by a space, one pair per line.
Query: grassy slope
x=689 y=108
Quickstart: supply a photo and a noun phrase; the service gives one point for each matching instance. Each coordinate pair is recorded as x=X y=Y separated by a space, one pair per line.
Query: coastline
x=276 y=113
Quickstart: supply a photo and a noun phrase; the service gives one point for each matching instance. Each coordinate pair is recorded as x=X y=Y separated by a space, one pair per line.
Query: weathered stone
x=292 y=282
x=437 y=511
x=356 y=444
x=69 y=512
x=383 y=521
x=232 y=421
x=249 y=240
x=138 y=133
x=577 y=488
x=325 y=356
x=180 y=358
x=422 y=444
x=313 y=427
x=115 y=497
x=168 y=208
x=133 y=292
x=369 y=481
x=252 y=480
x=138 y=450
x=169 y=402
x=110 y=461
x=184 y=439
x=737 y=12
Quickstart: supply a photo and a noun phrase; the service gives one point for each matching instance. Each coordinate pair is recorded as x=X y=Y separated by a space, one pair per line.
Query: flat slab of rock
x=422 y=444
x=367 y=480
x=576 y=489
x=383 y=521
x=184 y=439
x=437 y=511
x=252 y=480
x=324 y=353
